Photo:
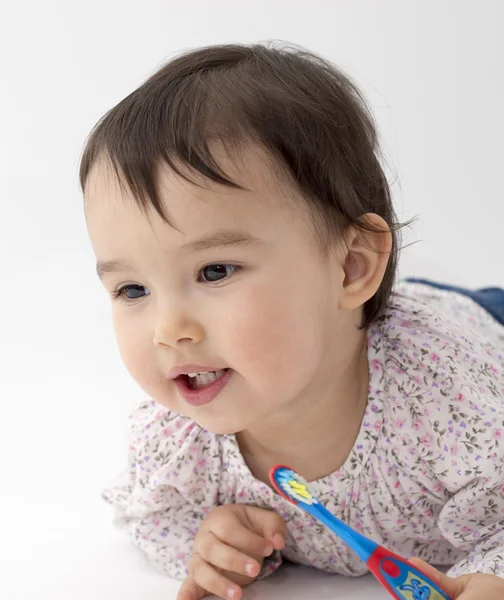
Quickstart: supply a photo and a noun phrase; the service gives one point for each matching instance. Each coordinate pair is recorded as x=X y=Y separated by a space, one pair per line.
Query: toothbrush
x=400 y=578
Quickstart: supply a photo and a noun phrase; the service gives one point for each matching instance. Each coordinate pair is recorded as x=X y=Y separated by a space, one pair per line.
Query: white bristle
x=285 y=479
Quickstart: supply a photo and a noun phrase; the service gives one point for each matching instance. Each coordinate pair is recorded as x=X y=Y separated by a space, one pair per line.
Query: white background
x=434 y=74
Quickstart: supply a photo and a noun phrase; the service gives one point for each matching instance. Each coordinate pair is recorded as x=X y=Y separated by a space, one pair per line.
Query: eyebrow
x=219 y=239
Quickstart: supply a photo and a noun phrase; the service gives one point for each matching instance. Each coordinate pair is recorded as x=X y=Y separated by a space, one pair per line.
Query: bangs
x=180 y=121
x=148 y=130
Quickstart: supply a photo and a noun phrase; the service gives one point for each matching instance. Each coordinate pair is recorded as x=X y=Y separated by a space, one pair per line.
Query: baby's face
x=266 y=308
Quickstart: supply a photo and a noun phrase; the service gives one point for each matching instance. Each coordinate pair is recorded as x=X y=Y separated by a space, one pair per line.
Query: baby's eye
x=132 y=292
x=217 y=272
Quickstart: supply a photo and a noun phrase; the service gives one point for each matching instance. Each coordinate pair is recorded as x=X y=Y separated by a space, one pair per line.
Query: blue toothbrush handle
x=399 y=577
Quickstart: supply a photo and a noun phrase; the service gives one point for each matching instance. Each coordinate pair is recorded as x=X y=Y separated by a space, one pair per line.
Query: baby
x=244 y=229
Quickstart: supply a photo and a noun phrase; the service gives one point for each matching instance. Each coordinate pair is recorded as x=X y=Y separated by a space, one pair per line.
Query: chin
x=221 y=426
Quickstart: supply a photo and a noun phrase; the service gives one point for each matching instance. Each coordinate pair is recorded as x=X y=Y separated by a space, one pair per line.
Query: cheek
x=275 y=336
x=134 y=348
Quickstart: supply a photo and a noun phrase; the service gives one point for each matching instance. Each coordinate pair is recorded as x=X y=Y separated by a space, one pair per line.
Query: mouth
x=200 y=381
x=198 y=389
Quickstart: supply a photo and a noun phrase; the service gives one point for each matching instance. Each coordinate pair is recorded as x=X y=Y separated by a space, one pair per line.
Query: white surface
x=91 y=562
x=434 y=73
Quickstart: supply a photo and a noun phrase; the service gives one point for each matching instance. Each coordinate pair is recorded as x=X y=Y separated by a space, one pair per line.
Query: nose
x=172 y=328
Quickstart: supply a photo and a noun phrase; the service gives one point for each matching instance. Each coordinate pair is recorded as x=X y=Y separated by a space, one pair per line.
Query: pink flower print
x=416 y=425
x=458 y=398
x=166 y=432
x=427 y=440
x=156 y=522
x=497 y=434
x=406 y=323
x=435 y=357
x=400 y=421
x=376 y=365
x=454 y=449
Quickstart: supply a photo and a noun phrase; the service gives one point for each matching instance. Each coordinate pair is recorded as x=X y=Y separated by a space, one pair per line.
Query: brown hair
x=300 y=108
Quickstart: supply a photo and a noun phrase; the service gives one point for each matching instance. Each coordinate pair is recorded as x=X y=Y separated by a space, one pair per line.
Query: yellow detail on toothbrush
x=300 y=489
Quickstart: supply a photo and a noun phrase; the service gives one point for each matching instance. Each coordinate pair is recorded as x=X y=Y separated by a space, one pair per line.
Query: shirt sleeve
x=454 y=363
x=473 y=520
x=169 y=487
x=466 y=455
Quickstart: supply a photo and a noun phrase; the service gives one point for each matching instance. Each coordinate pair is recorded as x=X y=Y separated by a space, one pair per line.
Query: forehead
x=266 y=203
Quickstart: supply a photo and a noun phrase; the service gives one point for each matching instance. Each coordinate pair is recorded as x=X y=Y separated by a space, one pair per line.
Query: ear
x=366 y=257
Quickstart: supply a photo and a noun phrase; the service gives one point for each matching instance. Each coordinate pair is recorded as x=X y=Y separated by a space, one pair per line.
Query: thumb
x=190 y=590
x=269 y=525
x=452 y=586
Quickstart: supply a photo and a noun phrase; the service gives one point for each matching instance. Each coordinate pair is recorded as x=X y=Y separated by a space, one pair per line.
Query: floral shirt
x=425 y=476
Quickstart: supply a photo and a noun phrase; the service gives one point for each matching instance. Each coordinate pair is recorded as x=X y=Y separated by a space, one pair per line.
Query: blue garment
x=491 y=299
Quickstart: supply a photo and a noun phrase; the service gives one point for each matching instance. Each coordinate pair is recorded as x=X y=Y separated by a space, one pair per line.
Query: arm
x=165 y=536
x=167 y=490
x=473 y=520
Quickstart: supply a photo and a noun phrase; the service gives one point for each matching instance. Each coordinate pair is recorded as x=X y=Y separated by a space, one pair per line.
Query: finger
x=269 y=524
x=190 y=590
x=242 y=538
x=222 y=556
x=209 y=579
x=452 y=586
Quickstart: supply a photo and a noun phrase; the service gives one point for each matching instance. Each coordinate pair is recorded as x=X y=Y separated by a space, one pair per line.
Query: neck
x=315 y=433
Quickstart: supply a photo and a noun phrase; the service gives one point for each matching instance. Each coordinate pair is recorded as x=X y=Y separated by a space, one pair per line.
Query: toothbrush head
x=291 y=486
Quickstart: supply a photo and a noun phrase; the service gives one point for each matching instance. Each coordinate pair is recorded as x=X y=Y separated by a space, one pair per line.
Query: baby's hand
x=229 y=550
x=476 y=586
